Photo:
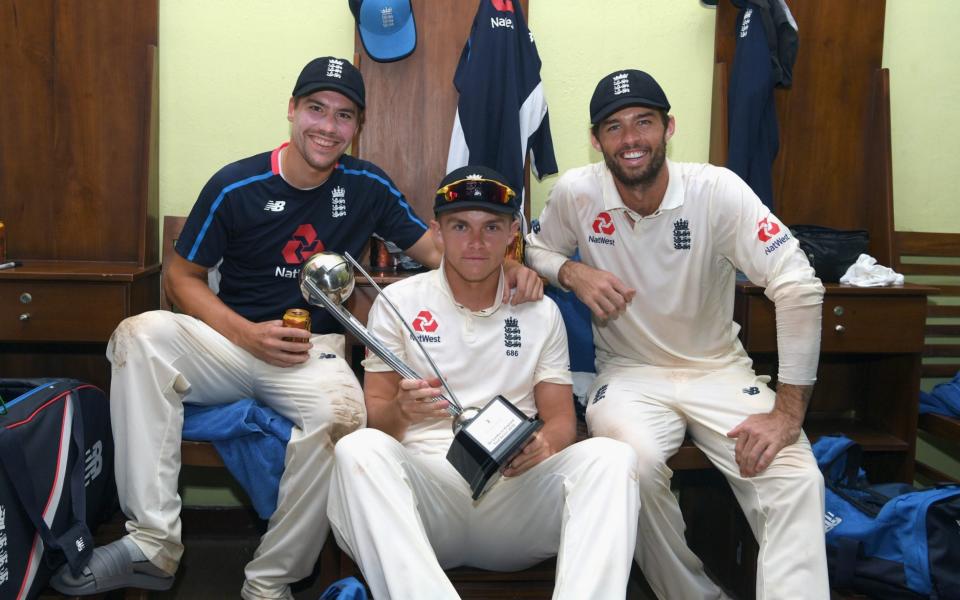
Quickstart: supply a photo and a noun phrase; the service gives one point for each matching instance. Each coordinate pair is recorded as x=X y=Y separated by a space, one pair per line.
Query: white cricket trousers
x=652 y=408
x=405 y=517
x=162 y=360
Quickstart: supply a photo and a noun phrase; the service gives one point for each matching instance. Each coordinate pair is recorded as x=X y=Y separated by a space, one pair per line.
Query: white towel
x=867 y=273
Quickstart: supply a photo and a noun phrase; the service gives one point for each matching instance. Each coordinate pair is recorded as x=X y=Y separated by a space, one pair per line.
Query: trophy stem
x=452 y=397
x=351 y=324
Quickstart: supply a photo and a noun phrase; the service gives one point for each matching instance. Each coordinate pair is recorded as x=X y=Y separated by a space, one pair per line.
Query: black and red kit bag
x=56 y=479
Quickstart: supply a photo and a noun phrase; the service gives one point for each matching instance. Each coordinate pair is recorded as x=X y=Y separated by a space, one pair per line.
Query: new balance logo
x=751 y=391
x=601 y=392
x=621 y=84
x=93 y=462
x=275 y=205
x=335 y=68
x=830 y=521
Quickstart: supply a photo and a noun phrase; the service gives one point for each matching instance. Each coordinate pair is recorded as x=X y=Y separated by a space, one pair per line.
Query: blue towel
x=348 y=588
x=252 y=441
x=943 y=399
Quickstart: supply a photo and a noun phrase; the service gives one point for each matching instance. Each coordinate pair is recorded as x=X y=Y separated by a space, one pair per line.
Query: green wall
x=227 y=68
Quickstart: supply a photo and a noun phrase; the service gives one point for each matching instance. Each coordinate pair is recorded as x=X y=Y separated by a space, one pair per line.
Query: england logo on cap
x=621 y=84
x=335 y=68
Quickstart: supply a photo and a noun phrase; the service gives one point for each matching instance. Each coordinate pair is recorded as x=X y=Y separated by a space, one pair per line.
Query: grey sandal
x=111 y=567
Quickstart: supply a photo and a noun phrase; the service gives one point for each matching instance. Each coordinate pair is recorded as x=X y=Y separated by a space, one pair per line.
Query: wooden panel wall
x=833 y=167
x=411 y=103
x=75 y=129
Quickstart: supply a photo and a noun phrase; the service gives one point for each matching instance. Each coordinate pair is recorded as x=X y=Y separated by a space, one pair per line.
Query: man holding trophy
x=398 y=506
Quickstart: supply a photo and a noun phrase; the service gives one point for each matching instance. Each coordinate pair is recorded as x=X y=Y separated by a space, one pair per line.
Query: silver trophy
x=485 y=439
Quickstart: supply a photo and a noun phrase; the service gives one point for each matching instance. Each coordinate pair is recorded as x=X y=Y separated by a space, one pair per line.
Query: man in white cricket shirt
x=399 y=508
x=660 y=243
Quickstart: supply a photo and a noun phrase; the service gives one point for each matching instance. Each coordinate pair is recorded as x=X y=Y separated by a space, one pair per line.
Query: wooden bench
x=934 y=259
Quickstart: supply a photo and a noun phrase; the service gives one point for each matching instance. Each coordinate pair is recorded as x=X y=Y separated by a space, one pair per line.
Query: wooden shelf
x=76 y=270
x=940 y=426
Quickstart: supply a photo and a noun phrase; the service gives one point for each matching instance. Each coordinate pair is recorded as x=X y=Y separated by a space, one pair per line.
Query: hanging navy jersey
x=263 y=229
x=502 y=112
x=766 y=49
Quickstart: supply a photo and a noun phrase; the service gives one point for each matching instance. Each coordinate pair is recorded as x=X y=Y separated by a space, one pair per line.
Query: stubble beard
x=645 y=177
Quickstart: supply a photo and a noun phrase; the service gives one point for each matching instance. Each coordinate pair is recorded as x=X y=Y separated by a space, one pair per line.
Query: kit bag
x=56 y=479
x=887 y=540
x=831 y=251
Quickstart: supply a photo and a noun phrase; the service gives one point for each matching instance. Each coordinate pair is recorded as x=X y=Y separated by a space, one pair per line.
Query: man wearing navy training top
x=258 y=219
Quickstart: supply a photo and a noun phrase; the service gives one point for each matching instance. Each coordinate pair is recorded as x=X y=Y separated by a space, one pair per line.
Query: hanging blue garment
x=766 y=48
x=502 y=112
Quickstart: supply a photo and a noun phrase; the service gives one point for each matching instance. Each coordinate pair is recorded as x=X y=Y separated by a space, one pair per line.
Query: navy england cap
x=331 y=73
x=621 y=89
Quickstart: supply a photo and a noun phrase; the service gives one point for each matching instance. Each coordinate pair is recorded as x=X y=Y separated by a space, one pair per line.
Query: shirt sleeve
x=554 y=363
x=203 y=239
x=761 y=246
x=397 y=220
x=383 y=325
x=555 y=240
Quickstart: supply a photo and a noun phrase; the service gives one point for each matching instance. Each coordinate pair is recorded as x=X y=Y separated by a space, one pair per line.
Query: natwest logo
x=424 y=322
x=767 y=229
x=603 y=224
x=502 y=5
x=302 y=245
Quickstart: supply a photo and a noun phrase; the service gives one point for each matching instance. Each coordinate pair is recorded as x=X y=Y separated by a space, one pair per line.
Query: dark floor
x=217 y=546
x=219 y=543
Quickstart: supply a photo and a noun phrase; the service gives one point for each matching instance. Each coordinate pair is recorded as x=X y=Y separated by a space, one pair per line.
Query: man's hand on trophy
x=535 y=452
x=266 y=342
x=415 y=398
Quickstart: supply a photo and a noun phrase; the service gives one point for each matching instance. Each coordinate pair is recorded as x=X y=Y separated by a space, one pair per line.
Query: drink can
x=380 y=257
x=298 y=318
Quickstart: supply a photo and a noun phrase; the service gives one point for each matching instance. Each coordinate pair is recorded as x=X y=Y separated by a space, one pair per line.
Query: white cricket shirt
x=682 y=260
x=502 y=350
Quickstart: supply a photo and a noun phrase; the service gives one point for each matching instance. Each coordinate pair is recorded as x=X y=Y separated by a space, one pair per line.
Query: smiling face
x=323 y=125
x=474 y=244
x=633 y=142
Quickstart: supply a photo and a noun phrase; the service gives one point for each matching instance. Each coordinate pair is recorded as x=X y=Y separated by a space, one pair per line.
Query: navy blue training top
x=263 y=228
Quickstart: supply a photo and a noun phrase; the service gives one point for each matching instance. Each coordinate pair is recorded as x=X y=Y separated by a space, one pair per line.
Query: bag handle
x=76 y=542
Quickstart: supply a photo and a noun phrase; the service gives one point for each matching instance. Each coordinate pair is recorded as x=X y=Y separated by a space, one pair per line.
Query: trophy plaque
x=485 y=439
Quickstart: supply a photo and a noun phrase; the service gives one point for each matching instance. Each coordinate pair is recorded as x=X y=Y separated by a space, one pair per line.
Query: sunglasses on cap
x=487 y=190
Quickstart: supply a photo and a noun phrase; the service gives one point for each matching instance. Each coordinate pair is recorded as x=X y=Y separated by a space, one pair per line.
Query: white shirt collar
x=485 y=312
x=672 y=198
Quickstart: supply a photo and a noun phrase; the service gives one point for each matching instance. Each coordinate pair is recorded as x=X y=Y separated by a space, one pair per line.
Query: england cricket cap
x=387 y=28
x=621 y=89
x=330 y=73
